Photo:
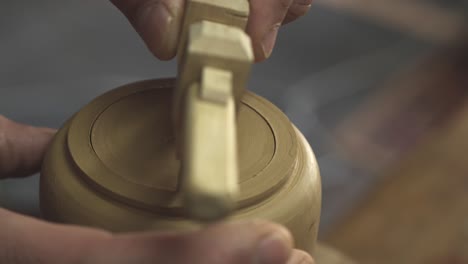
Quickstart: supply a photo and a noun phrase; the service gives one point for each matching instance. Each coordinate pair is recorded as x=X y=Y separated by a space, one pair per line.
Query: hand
x=159 y=21
x=25 y=240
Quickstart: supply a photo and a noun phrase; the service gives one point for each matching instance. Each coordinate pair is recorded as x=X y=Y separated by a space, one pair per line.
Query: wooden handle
x=215 y=58
x=210 y=155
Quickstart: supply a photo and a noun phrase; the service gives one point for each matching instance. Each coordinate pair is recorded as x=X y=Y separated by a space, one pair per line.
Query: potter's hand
x=25 y=240
x=159 y=21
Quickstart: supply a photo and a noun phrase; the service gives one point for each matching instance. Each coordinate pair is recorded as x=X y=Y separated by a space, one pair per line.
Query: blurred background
x=378 y=88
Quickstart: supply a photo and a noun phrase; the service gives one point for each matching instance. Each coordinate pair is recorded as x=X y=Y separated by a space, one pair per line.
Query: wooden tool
x=215 y=56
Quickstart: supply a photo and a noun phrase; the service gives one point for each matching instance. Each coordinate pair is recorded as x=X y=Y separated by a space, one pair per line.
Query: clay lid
x=123 y=143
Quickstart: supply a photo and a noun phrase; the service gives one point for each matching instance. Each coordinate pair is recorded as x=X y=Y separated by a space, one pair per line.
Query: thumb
x=22 y=148
x=157 y=21
x=256 y=242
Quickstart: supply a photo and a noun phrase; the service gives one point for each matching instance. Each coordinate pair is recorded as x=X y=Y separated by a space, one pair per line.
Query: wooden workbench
x=419 y=213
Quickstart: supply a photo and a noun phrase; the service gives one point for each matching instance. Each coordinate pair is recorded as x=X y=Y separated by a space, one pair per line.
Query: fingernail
x=159 y=27
x=269 y=40
x=274 y=248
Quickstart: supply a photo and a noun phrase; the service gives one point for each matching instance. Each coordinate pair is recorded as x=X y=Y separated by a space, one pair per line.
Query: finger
x=266 y=17
x=300 y=257
x=25 y=240
x=157 y=21
x=297 y=9
x=233 y=243
x=22 y=148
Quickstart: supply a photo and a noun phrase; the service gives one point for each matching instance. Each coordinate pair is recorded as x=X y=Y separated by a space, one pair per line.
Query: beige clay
x=114 y=166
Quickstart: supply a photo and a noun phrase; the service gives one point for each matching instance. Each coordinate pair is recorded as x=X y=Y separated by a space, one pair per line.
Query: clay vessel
x=113 y=165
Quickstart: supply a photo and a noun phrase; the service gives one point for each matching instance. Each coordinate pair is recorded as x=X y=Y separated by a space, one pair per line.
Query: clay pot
x=113 y=165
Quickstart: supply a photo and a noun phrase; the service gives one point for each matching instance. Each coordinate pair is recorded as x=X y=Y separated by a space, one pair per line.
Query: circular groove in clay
x=123 y=143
